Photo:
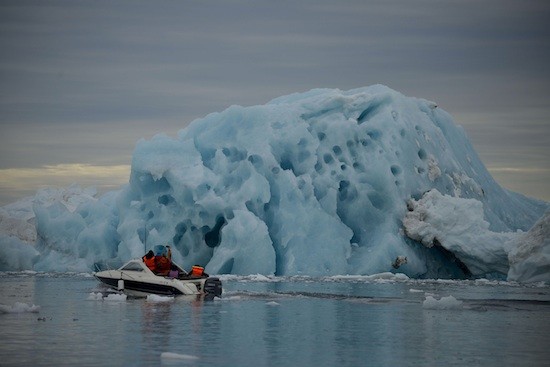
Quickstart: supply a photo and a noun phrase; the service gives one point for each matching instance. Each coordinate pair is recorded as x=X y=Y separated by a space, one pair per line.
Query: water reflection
x=274 y=331
x=185 y=325
x=156 y=327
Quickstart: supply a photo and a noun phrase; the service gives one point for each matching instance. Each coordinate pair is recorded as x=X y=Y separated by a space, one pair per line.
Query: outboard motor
x=213 y=287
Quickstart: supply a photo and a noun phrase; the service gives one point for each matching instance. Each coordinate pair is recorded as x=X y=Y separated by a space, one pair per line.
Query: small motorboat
x=135 y=279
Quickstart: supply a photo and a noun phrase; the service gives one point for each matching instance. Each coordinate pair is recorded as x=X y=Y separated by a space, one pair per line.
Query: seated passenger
x=162 y=265
x=149 y=260
x=174 y=273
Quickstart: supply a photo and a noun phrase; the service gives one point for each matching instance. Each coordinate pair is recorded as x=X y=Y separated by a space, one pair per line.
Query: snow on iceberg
x=457 y=225
x=312 y=183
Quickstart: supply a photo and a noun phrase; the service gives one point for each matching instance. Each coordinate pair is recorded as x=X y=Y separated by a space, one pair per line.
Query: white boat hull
x=135 y=279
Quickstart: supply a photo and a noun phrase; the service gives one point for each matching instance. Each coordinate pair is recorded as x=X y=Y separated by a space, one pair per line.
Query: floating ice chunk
x=95 y=296
x=387 y=276
x=115 y=298
x=19 y=307
x=178 y=356
x=229 y=298
x=272 y=303
x=379 y=277
x=260 y=278
x=159 y=299
x=445 y=303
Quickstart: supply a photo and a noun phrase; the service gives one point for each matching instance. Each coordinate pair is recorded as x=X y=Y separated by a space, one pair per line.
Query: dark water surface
x=338 y=321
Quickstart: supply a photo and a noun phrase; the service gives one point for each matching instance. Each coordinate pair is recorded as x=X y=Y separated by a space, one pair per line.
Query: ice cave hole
x=318 y=167
x=376 y=200
x=395 y=170
x=286 y=164
x=234 y=154
x=346 y=192
x=180 y=230
x=328 y=158
x=368 y=113
x=375 y=134
x=166 y=200
x=212 y=238
x=256 y=160
x=422 y=154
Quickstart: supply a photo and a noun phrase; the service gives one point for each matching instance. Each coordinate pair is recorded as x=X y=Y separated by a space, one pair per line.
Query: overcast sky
x=82 y=81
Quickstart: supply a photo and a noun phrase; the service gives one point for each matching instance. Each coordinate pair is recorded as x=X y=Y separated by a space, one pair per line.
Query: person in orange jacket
x=149 y=260
x=162 y=265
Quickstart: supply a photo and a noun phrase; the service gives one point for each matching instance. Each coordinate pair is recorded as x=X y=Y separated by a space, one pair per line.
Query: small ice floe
x=159 y=299
x=445 y=303
x=112 y=297
x=115 y=297
x=272 y=303
x=178 y=356
x=412 y=290
x=19 y=307
x=230 y=298
x=95 y=296
x=385 y=277
x=260 y=278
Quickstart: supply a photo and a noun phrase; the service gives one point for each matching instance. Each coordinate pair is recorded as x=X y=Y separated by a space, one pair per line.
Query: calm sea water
x=355 y=321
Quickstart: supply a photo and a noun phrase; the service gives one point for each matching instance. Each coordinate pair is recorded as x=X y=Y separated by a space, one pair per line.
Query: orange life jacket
x=150 y=263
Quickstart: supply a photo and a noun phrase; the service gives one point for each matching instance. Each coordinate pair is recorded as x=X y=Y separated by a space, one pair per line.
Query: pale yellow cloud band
x=519 y=169
x=64 y=175
x=530 y=181
x=18 y=182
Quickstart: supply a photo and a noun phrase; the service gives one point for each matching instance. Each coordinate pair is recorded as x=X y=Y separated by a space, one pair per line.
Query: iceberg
x=317 y=183
x=530 y=257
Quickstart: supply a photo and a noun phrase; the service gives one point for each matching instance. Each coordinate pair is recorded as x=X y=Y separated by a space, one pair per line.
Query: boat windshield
x=132 y=266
